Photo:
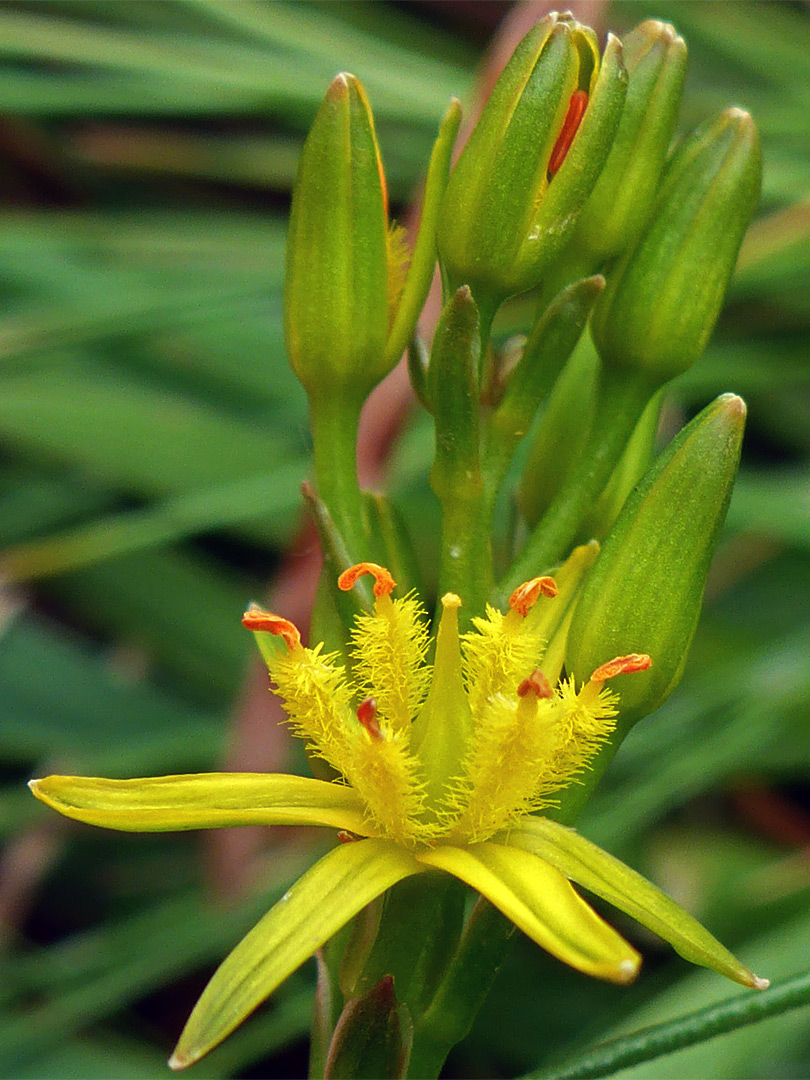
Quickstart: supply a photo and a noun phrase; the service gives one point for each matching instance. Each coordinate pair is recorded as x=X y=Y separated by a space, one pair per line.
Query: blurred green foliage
x=152 y=443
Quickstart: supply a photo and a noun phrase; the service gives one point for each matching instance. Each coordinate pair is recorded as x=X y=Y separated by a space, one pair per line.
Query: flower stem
x=454 y=377
x=334 y=421
x=467 y=981
x=465 y=566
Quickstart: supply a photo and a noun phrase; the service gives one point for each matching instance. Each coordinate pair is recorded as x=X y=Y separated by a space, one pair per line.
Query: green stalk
x=623 y=397
x=453 y=386
x=463 y=990
x=334 y=422
x=465 y=565
x=696 y=1027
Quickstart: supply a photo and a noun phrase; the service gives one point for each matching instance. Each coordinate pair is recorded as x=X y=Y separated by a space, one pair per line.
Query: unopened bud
x=663 y=298
x=337 y=306
x=530 y=163
x=645 y=591
x=619 y=205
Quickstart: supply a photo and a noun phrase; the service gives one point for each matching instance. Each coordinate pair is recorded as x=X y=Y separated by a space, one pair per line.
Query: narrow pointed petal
x=541 y=903
x=202 y=801
x=314 y=909
x=602 y=874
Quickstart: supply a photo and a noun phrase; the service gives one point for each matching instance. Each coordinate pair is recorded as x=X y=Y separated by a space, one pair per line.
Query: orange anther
x=622 y=665
x=257 y=619
x=367 y=715
x=526 y=595
x=346 y=837
x=536 y=684
x=573 y=118
x=383 y=582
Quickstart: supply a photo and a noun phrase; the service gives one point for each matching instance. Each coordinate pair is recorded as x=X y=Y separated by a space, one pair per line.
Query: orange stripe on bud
x=573 y=118
x=257 y=619
x=367 y=715
x=383 y=582
x=536 y=684
x=526 y=595
x=622 y=665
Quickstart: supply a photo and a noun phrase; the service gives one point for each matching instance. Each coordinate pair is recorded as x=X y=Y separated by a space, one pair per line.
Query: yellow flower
x=443 y=767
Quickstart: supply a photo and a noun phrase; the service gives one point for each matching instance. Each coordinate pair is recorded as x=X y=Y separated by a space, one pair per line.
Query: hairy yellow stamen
x=528 y=745
x=497 y=655
x=389 y=647
x=317 y=700
x=386 y=776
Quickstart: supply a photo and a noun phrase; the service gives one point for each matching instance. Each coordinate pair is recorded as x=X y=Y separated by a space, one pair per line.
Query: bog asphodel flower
x=443 y=767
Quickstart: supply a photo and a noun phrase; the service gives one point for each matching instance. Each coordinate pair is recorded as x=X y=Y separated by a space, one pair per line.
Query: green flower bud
x=350 y=308
x=337 y=272
x=619 y=205
x=551 y=342
x=662 y=300
x=530 y=163
x=645 y=591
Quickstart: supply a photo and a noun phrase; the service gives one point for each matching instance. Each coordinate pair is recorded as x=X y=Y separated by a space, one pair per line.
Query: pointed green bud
x=337 y=272
x=619 y=205
x=530 y=163
x=645 y=591
x=415 y=290
x=664 y=296
x=372 y=1037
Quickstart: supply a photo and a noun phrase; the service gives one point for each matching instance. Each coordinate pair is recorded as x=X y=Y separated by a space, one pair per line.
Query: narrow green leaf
x=237 y=502
x=651 y=1042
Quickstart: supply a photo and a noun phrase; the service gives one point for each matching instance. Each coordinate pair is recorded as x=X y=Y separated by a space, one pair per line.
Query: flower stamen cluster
x=518 y=739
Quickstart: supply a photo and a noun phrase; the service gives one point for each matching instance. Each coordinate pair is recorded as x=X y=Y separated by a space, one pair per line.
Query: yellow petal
x=609 y=878
x=314 y=909
x=201 y=801
x=541 y=903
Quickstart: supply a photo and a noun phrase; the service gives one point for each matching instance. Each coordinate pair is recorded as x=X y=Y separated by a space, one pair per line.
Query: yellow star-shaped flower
x=444 y=767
